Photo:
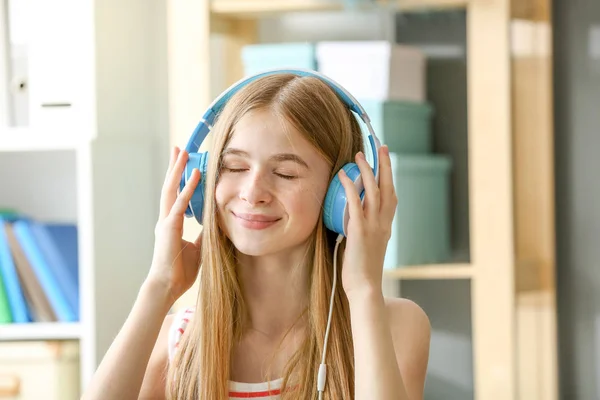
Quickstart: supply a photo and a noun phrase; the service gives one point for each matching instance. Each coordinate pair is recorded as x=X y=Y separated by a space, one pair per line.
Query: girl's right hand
x=176 y=262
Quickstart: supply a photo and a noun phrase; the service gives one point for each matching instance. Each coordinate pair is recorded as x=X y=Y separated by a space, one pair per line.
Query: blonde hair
x=201 y=367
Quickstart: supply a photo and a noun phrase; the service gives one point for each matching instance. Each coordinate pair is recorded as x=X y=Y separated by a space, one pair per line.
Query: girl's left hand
x=369 y=228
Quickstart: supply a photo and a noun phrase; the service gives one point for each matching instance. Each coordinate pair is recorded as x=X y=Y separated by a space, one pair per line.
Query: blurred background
x=489 y=109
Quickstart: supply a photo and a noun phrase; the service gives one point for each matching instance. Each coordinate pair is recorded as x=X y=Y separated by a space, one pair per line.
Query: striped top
x=237 y=390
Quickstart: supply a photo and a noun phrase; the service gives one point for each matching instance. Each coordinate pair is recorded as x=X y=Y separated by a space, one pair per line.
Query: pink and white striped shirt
x=237 y=390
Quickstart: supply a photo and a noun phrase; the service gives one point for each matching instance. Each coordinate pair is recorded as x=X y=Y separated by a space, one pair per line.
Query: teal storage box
x=260 y=57
x=404 y=126
x=421 y=226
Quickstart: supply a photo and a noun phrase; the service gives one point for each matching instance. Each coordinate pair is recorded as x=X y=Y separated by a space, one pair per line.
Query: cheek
x=219 y=194
x=223 y=192
x=221 y=200
x=307 y=202
x=222 y=197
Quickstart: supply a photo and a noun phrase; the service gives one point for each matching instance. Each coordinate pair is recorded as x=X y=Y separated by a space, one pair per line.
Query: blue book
x=58 y=300
x=16 y=298
x=58 y=245
x=67 y=241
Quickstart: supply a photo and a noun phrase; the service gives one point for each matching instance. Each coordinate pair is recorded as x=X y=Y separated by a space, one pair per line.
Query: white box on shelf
x=376 y=70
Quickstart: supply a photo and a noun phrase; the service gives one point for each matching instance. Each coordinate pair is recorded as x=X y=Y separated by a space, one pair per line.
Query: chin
x=277 y=239
x=251 y=245
x=251 y=250
x=255 y=246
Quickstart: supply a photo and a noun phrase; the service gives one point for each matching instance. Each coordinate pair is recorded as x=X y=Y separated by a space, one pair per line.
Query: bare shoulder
x=405 y=314
x=409 y=325
x=154 y=383
x=411 y=334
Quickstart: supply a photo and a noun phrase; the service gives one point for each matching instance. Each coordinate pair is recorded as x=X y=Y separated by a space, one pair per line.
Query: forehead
x=263 y=129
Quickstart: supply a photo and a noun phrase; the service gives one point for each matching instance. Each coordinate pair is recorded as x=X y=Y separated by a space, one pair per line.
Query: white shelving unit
x=41 y=331
x=98 y=163
x=23 y=139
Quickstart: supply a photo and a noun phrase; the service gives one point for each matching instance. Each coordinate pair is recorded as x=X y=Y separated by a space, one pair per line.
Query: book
x=39 y=304
x=10 y=279
x=43 y=271
x=58 y=245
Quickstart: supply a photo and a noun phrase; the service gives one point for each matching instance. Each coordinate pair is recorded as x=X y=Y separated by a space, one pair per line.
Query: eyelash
x=286 y=177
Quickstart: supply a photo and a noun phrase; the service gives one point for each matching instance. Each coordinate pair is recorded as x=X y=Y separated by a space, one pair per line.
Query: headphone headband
x=206 y=123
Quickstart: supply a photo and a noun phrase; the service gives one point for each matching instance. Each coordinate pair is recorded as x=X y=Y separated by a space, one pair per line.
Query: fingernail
x=386 y=150
x=360 y=155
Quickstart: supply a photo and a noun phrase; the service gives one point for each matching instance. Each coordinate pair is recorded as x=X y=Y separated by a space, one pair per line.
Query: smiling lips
x=255 y=221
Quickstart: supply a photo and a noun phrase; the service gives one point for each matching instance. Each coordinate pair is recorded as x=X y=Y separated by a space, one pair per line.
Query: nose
x=255 y=189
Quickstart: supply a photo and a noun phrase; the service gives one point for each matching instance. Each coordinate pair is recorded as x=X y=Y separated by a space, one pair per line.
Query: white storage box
x=35 y=370
x=375 y=70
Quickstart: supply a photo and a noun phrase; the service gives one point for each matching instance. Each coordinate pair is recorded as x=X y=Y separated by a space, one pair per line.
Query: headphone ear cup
x=196 y=205
x=336 y=214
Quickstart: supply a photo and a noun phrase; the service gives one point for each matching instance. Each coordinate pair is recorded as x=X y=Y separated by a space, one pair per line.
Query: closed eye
x=238 y=170
x=234 y=169
x=288 y=177
x=242 y=169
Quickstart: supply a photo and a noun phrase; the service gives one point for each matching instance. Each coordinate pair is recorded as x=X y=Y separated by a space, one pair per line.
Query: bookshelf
x=511 y=268
x=99 y=162
x=443 y=271
x=41 y=331
x=259 y=8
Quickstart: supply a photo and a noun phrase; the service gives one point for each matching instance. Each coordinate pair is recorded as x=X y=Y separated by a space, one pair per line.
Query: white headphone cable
x=322 y=377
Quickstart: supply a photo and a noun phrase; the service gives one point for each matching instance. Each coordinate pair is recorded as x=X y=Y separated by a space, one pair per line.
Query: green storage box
x=421 y=226
x=260 y=57
x=404 y=126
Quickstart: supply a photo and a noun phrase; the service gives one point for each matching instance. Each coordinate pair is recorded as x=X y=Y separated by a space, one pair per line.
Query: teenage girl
x=287 y=307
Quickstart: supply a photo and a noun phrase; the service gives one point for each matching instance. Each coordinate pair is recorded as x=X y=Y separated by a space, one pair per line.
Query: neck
x=275 y=289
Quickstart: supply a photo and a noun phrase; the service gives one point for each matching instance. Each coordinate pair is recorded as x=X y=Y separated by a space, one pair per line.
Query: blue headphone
x=336 y=212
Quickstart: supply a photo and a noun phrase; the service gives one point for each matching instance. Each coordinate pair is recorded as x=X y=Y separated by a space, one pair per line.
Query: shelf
x=437 y=271
x=27 y=139
x=40 y=331
x=258 y=8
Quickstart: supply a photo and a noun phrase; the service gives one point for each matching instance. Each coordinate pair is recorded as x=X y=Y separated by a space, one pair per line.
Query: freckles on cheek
x=311 y=198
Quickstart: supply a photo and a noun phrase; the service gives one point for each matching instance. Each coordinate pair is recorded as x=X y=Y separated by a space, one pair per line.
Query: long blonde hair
x=201 y=367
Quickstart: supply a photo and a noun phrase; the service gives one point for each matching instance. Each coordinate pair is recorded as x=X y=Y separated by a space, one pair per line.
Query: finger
x=172 y=158
x=354 y=203
x=171 y=186
x=372 y=195
x=186 y=194
x=387 y=190
x=166 y=198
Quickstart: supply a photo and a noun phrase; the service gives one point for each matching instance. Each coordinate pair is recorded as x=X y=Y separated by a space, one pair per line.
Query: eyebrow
x=277 y=157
